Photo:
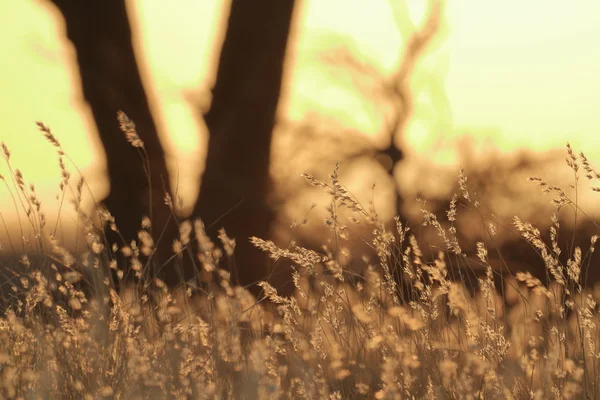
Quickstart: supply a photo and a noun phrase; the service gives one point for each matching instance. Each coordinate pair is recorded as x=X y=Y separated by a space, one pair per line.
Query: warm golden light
x=516 y=74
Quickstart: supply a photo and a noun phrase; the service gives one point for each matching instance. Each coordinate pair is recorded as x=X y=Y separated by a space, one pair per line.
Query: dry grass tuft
x=386 y=325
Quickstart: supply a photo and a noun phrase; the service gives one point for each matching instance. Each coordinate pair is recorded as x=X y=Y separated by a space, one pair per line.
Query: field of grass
x=387 y=325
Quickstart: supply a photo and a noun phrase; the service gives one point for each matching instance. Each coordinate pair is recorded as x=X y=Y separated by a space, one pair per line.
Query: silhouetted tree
x=236 y=183
x=110 y=79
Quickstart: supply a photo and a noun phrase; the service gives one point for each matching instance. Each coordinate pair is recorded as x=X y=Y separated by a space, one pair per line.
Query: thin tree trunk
x=236 y=181
x=101 y=35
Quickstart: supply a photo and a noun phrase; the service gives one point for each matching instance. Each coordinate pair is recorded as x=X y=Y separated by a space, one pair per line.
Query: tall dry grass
x=391 y=324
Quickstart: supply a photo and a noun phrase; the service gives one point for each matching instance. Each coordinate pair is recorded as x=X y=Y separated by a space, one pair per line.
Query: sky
x=512 y=74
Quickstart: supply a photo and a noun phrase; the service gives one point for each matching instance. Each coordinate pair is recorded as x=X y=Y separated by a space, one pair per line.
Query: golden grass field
x=393 y=326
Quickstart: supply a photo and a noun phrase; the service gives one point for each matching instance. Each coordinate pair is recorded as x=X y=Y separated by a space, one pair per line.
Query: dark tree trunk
x=101 y=35
x=236 y=181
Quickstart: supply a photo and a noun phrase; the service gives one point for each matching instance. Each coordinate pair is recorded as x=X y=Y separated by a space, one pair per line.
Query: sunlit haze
x=511 y=73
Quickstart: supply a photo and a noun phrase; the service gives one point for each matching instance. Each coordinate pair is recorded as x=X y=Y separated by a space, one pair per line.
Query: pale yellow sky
x=521 y=74
x=529 y=69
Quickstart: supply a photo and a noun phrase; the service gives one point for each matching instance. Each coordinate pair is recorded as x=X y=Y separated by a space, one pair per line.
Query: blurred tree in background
x=110 y=80
x=236 y=183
